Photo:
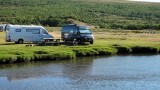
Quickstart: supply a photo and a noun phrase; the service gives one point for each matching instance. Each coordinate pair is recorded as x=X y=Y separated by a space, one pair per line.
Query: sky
x=147 y=0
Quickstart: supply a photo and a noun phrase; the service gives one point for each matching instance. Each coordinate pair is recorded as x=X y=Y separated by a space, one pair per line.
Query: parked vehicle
x=2 y=26
x=25 y=33
x=76 y=32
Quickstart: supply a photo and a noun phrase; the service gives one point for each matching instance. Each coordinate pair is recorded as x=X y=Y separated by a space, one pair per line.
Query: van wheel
x=20 y=41
x=91 y=42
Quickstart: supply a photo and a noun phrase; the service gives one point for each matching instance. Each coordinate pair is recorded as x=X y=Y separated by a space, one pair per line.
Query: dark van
x=76 y=32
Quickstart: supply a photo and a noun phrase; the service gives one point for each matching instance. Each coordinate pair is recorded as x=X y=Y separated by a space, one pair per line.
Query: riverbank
x=106 y=43
x=38 y=53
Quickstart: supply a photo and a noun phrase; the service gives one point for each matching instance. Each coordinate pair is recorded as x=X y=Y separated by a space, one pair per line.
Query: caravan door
x=36 y=35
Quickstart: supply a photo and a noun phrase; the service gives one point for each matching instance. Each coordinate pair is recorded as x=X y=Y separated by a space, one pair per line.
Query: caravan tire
x=16 y=42
x=20 y=41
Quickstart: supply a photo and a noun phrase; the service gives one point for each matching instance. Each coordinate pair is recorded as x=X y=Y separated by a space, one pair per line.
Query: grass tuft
x=8 y=58
x=105 y=51
x=25 y=58
x=144 y=49
x=85 y=51
x=41 y=52
x=123 y=49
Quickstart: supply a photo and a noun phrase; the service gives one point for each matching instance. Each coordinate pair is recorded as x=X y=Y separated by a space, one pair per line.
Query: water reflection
x=71 y=68
x=121 y=72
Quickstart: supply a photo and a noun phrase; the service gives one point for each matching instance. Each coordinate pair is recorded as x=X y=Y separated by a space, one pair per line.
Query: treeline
x=57 y=12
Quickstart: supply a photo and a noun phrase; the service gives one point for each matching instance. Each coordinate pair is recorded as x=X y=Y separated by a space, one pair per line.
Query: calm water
x=99 y=73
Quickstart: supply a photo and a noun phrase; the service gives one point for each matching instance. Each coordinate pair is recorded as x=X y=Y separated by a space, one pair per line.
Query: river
x=121 y=72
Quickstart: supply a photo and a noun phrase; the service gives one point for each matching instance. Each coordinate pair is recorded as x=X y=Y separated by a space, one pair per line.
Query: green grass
x=106 y=43
x=37 y=53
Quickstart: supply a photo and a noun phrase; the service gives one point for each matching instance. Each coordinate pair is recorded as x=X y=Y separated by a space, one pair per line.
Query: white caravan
x=25 y=33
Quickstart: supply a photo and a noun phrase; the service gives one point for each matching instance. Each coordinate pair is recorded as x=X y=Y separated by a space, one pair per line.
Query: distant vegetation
x=112 y=15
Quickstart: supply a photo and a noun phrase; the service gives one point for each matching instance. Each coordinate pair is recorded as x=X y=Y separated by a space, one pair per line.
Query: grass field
x=107 y=37
x=107 y=42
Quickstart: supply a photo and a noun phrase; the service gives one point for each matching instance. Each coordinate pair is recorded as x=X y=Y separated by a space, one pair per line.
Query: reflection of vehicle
x=25 y=33
x=80 y=33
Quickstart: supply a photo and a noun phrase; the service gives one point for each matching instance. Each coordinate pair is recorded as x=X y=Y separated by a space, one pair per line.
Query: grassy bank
x=37 y=53
x=106 y=43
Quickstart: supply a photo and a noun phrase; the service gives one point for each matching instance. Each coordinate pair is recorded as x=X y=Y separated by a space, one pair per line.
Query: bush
x=123 y=49
x=142 y=49
x=41 y=52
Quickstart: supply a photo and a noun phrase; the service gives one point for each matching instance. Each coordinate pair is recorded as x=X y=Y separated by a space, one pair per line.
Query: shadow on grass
x=15 y=44
x=7 y=44
x=62 y=43
x=78 y=44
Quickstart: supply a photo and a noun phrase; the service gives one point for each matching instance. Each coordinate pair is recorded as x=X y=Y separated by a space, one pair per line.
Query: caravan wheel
x=20 y=41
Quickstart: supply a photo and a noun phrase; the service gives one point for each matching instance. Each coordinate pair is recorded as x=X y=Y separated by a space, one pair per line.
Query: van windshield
x=85 y=31
x=44 y=31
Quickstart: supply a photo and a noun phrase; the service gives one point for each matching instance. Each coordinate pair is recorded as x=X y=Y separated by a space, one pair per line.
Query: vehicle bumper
x=87 y=40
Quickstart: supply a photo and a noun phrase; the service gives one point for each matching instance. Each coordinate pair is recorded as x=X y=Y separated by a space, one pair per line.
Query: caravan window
x=36 y=31
x=18 y=30
x=28 y=30
x=1 y=27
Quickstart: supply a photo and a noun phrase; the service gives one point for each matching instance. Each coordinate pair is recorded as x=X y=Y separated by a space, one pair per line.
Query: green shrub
x=113 y=15
x=142 y=49
x=41 y=52
x=123 y=49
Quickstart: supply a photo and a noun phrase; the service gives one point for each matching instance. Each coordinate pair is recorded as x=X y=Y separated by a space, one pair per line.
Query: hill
x=114 y=14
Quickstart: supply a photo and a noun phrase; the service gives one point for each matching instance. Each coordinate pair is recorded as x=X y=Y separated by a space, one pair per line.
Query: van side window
x=36 y=31
x=18 y=30
x=70 y=29
x=1 y=27
x=28 y=30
